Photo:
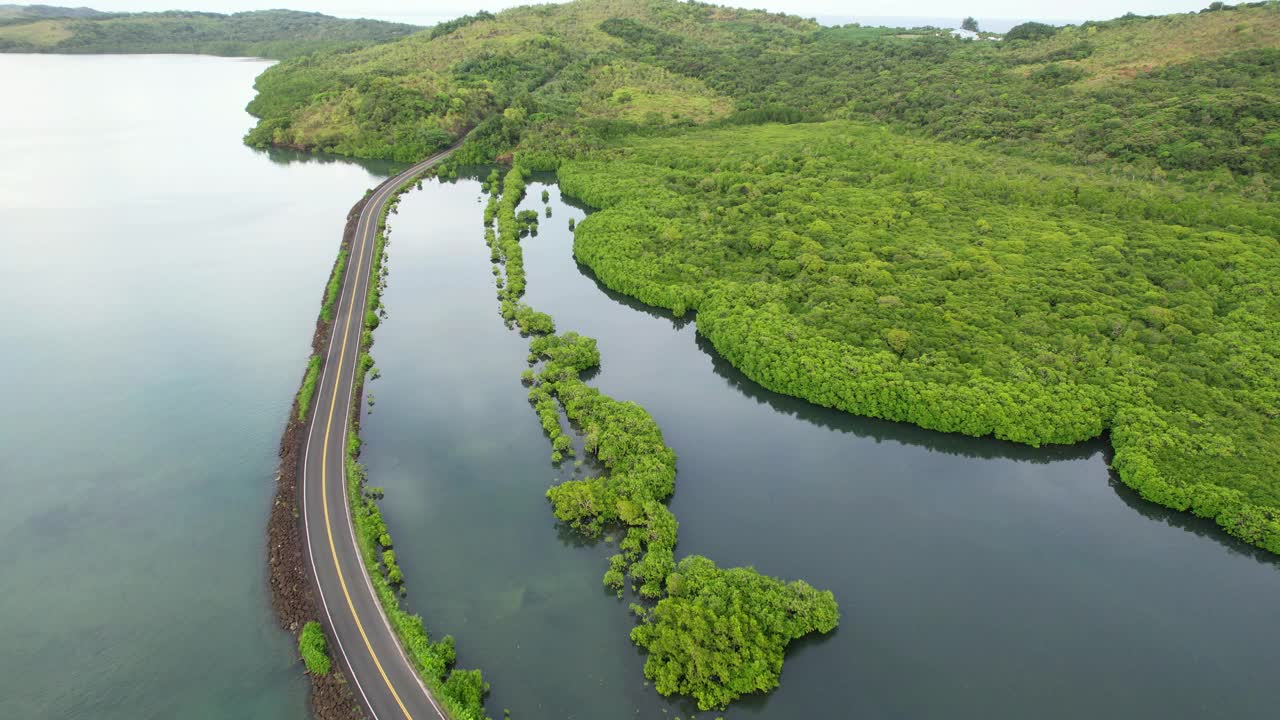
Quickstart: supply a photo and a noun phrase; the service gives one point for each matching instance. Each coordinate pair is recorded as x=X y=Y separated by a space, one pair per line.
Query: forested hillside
x=548 y=69
x=267 y=33
x=18 y=13
x=1157 y=95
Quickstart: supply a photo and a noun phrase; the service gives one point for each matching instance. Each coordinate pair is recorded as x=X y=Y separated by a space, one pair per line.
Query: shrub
x=335 y=284
x=308 y=390
x=314 y=649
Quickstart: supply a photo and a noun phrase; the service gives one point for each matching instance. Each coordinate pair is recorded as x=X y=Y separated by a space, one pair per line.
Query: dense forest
x=266 y=33
x=922 y=281
x=1046 y=237
x=1188 y=95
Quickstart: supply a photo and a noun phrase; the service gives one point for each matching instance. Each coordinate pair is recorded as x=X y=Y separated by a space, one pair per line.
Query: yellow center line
x=324 y=465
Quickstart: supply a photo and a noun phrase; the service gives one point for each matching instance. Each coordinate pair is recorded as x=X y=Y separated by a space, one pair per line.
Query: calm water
x=160 y=282
x=977 y=579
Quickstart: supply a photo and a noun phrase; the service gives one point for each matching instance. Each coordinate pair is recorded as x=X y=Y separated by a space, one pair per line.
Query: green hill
x=1178 y=93
x=266 y=33
x=10 y=13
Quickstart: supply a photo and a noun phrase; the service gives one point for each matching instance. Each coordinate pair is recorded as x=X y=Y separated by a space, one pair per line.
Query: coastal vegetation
x=460 y=692
x=714 y=634
x=314 y=649
x=261 y=33
x=920 y=281
x=308 y=389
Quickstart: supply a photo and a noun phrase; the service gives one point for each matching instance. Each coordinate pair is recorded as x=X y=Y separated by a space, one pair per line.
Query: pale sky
x=425 y=13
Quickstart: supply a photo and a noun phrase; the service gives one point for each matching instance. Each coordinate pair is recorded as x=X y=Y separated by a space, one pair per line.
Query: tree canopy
x=720 y=634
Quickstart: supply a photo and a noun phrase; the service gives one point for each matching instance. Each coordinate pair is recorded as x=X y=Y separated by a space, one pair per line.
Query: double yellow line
x=324 y=465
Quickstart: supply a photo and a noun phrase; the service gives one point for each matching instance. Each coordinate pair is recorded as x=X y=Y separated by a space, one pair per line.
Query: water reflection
x=285 y=156
x=882 y=430
x=1201 y=527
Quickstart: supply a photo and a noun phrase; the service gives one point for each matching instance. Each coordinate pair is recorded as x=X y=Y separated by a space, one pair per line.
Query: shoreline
x=293 y=596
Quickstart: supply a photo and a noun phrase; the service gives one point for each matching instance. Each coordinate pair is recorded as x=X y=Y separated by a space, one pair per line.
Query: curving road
x=380 y=673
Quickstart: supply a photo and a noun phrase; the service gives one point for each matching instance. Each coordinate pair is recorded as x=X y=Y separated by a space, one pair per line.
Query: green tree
x=1030 y=31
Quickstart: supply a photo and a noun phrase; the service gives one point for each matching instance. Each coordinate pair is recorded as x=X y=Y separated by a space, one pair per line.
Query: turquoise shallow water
x=977 y=579
x=160 y=282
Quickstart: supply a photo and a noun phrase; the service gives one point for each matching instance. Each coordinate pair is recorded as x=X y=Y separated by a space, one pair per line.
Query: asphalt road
x=377 y=668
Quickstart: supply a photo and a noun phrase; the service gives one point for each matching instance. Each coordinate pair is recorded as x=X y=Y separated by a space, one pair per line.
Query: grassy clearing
x=43 y=34
x=643 y=93
x=692 y=650
x=930 y=283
